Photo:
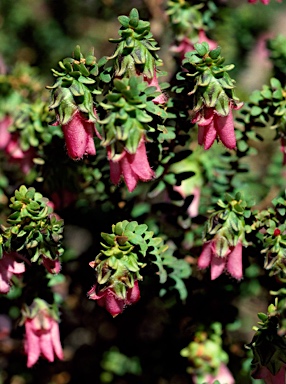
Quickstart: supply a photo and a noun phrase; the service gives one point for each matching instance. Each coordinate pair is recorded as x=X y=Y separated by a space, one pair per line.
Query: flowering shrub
x=142 y=193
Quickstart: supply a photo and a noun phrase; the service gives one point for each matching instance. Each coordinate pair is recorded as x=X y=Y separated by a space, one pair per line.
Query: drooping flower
x=230 y=261
x=108 y=299
x=224 y=376
x=262 y=372
x=212 y=125
x=79 y=133
x=42 y=333
x=9 y=267
x=132 y=167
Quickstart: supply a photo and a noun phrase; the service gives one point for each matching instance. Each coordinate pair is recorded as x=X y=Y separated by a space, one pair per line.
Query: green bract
x=207 y=81
x=129 y=109
x=136 y=48
x=75 y=86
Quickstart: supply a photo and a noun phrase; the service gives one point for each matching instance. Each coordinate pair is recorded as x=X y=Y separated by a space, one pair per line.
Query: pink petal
x=32 y=344
x=76 y=136
x=90 y=147
x=209 y=135
x=115 y=172
x=133 y=294
x=130 y=177
x=56 y=340
x=46 y=345
x=206 y=255
x=4 y=284
x=217 y=266
x=140 y=164
x=193 y=209
x=52 y=266
x=234 y=263
x=225 y=129
x=111 y=303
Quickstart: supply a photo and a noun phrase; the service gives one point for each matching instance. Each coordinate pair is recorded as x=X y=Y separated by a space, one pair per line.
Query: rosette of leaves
x=34 y=231
x=274 y=238
x=268 y=347
x=207 y=81
x=228 y=223
x=75 y=87
x=129 y=248
x=136 y=48
x=130 y=114
x=205 y=353
x=32 y=123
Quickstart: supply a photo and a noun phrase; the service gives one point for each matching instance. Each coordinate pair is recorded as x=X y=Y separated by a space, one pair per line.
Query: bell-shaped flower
x=230 y=261
x=9 y=267
x=224 y=376
x=212 y=125
x=108 y=298
x=42 y=334
x=263 y=373
x=133 y=167
x=79 y=133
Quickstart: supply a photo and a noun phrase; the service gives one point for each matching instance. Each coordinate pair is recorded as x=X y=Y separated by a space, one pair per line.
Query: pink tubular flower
x=42 y=336
x=231 y=261
x=133 y=167
x=79 y=133
x=224 y=376
x=212 y=125
x=114 y=305
x=9 y=267
x=263 y=373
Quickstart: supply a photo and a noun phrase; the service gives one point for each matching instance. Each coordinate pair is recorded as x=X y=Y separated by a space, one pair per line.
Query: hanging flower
x=108 y=298
x=230 y=261
x=133 y=167
x=42 y=333
x=212 y=125
x=9 y=267
x=79 y=133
